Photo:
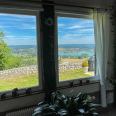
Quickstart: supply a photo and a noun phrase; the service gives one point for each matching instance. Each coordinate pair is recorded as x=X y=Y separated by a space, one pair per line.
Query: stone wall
x=70 y=66
x=30 y=70
x=16 y=72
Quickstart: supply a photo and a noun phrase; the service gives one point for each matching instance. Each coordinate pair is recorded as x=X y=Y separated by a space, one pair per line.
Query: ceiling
x=87 y=3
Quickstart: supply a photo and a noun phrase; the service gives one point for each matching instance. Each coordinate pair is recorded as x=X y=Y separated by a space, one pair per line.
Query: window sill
x=77 y=85
x=21 y=95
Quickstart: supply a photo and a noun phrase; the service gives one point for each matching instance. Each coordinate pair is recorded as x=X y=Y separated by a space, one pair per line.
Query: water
x=76 y=53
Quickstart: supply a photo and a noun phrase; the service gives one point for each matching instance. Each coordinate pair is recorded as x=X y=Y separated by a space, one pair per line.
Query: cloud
x=5 y=27
x=68 y=36
x=28 y=37
x=27 y=26
x=22 y=40
x=85 y=31
x=79 y=40
x=60 y=25
x=74 y=27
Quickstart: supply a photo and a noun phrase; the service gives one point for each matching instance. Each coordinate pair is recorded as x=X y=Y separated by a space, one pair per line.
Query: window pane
x=18 y=51
x=75 y=46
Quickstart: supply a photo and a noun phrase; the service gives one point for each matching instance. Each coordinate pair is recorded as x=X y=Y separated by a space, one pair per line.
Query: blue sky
x=21 y=30
x=75 y=31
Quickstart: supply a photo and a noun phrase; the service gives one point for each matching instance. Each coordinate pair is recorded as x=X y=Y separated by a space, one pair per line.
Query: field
x=72 y=74
x=19 y=82
x=74 y=60
x=31 y=80
x=26 y=58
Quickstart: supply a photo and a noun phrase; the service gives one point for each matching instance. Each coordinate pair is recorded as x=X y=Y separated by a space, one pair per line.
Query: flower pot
x=85 y=69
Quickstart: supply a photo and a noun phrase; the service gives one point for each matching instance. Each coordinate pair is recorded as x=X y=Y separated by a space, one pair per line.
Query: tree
x=7 y=61
x=4 y=52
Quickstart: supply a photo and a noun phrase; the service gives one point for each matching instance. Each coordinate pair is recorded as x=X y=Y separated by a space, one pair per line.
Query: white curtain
x=101 y=31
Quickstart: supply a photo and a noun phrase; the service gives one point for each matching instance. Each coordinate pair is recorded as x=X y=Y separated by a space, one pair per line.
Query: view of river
x=76 y=53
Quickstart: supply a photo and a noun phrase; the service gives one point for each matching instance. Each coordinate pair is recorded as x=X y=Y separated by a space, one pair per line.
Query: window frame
x=78 y=15
x=32 y=12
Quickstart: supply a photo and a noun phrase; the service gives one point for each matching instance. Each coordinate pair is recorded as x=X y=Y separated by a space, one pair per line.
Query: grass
x=72 y=74
x=31 y=80
x=18 y=82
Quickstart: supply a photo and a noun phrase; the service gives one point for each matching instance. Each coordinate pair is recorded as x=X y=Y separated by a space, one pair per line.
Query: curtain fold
x=101 y=32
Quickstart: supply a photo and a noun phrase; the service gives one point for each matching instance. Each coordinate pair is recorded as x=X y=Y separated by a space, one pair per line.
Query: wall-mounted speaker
x=49 y=21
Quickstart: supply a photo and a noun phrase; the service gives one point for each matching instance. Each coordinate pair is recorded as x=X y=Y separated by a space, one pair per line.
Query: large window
x=76 y=48
x=20 y=59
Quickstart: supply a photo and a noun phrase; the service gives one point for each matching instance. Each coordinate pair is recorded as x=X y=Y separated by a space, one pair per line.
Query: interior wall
x=21 y=102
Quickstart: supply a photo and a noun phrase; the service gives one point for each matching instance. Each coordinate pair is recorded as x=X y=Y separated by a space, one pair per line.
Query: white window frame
x=78 y=15
x=31 y=12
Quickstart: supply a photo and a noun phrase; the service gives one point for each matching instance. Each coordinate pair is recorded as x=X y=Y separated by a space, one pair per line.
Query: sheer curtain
x=101 y=31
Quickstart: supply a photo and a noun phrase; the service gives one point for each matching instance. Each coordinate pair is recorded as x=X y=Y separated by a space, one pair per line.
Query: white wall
x=35 y=99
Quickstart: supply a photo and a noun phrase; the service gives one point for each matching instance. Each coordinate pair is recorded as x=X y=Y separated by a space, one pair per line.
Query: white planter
x=85 y=69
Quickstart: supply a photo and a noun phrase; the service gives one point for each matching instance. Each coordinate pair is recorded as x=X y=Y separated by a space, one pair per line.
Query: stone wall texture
x=30 y=70
x=17 y=72
x=70 y=66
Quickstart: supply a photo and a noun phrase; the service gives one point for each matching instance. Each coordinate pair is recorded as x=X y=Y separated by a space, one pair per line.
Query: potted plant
x=85 y=67
x=62 y=105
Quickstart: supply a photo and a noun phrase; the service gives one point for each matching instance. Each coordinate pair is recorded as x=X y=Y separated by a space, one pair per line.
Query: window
x=20 y=60
x=75 y=45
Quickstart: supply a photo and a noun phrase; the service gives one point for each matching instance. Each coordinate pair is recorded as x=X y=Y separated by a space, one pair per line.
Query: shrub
x=62 y=105
x=85 y=64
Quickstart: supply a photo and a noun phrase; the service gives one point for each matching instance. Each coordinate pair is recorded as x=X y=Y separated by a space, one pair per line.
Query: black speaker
x=49 y=21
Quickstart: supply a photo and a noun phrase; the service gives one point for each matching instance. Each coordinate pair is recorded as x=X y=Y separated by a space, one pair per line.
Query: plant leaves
x=63 y=112
x=70 y=92
x=61 y=95
x=81 y=111
x=53 y=97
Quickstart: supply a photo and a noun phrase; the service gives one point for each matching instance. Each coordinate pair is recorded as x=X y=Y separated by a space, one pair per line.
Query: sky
x=75 y=31
x=21 y=30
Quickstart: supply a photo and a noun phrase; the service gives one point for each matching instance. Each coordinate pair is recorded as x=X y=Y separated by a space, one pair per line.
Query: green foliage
x=85 y=64
x=62 y=105
x=13 y=63
x=74 y=56
x=4 y=52
x=27 y=62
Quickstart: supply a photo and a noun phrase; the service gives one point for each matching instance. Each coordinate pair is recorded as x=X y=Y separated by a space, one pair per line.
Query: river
x=76 y=53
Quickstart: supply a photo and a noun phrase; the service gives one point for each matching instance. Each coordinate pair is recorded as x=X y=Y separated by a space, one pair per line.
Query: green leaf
x=81 y=111
x=62 y=104
x=53 y=97
x=94 y=105
x=95 y=114
x=61 y=95
x=70 y=92
x=63 y=112
x=54 y=107
x=41 y=103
